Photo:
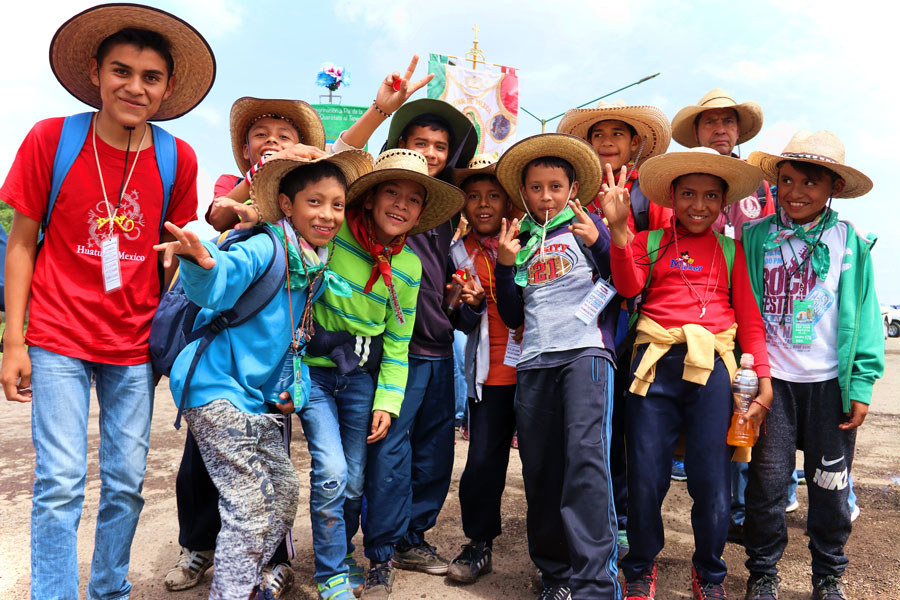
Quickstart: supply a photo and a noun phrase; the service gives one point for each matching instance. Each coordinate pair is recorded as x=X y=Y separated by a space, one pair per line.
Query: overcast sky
x=823 y=65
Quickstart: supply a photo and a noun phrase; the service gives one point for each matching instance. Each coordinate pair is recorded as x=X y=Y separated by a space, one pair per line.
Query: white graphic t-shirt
x=800 y=310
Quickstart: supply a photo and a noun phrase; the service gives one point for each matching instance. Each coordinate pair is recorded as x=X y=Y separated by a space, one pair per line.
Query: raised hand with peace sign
x=509 y=244
x=616 y=204
x=584 y=227
x=472 y=292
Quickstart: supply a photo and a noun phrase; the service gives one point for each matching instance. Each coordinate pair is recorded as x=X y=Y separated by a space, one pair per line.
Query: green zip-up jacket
x=860 y=338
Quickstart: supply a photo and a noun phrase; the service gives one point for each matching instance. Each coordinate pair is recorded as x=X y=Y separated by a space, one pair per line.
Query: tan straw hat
x=573 y=149
x=245 y=111
x=481 y=164
x=442 y=200
x=659 y=172
x=264 y=190
x=77 y=40
x=649 y=122
x=750 y=118
x=820 y=148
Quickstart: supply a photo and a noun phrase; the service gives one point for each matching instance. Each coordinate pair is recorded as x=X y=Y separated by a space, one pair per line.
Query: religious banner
x=489 y=98
x=337 y=118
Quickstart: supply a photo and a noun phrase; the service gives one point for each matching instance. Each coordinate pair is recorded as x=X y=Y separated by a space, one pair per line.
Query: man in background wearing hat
x=95 y=284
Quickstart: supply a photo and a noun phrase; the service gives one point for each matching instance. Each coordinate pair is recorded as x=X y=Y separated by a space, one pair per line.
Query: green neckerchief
x=809 y=233
x=304 y=263
x=536 y=234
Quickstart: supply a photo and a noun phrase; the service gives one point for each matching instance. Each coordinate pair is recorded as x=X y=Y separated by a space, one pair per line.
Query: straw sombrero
x=76 y=41
x=659 y=172
x=442 y=200
x=649 y=122
x=481 y=164
x=264 y=189
x=301 y=115
x=460 y=125
x=750 y=118
x=575 y=150
x=820 y=148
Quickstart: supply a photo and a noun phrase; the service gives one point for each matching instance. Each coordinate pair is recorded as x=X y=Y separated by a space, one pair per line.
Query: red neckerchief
x=594 y=205
x=362 y=226
x=488 y=245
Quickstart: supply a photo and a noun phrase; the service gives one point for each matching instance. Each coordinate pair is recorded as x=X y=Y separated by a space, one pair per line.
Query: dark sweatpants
x=653 y=424
x=563 y=416
x=804 y=416
x=492 y=423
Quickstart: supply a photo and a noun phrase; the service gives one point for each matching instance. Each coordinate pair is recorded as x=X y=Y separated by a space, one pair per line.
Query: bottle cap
x=746 y=360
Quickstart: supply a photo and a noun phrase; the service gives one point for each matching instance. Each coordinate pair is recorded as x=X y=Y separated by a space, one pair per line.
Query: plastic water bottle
x=744 y=389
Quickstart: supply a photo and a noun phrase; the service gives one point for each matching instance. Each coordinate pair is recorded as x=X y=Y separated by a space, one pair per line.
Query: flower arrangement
x=332 y=77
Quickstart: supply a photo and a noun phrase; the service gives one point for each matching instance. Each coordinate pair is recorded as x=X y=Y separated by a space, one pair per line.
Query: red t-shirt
x=224 y=184
x=671 y=303
x=70 y=313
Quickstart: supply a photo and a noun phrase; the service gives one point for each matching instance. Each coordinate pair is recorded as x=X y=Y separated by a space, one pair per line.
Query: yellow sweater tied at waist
x=702 y=347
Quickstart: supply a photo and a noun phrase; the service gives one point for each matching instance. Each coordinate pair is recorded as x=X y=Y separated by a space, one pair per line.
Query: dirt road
x=874 y=547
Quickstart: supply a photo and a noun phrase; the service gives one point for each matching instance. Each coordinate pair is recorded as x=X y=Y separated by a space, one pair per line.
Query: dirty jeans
x=336 y=424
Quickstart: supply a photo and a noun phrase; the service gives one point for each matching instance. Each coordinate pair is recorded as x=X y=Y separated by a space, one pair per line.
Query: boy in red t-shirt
x=95 y=284
x=693 y=303
x=491 y=383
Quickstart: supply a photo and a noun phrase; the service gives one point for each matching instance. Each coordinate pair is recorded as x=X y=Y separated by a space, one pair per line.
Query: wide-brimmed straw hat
x=245 y=111
x=481 y=164
x=819 y=148
x=659 y=172
x=460 y=125
x=442 y=200
x=750 y=118
x=648 y=121
x=264 y=189
x=575 y=150
x=77 y=40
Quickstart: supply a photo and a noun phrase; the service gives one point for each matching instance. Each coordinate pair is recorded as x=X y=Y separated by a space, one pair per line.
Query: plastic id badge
x=802 y=322
x=513 y=351
x=301 y=384
x=109 y=256
x=729 y=230
x=595 y=302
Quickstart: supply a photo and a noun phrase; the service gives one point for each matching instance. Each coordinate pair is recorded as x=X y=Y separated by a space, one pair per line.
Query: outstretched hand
x=186 y=244
x=584 y=227
x=389 y=98
x=509 y=244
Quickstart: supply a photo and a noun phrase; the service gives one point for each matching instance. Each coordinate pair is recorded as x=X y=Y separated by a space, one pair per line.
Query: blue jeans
x=459 y=374
x=336 y=424
x=59 y=423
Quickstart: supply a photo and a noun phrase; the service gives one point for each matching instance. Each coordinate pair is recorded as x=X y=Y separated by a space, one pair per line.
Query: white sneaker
x=792 y=506
x=854 y=514
x=191 y=566
x=277 y=579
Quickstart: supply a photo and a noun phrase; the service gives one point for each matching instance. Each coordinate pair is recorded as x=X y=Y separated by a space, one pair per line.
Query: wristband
x=249 y=175
x=755 y=401
x=381 y=112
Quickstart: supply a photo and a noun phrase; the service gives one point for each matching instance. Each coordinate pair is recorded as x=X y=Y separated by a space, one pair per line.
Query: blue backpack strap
x=253 y=300
x=71 y=140
x=167 y=163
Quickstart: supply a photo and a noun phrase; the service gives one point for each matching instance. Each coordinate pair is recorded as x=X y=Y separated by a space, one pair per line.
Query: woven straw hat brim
x=246 y=110
x=575 y=150
x=856 y=183
x=459 y=124
x=442 y=200
x=750 y=120
x=264 y=190
x=659 y=172
x=76 y=41
x=649 y=122
x=460 y=175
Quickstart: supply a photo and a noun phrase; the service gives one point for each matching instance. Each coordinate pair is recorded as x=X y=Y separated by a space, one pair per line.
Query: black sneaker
x=642 y=587
x=473 y=561
x=423 y=557
x=379 y=581
x=762 y=587
x=829 y=587
x=556 y=592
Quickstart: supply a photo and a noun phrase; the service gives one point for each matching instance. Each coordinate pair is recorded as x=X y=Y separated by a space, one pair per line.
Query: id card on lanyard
x=112 y=271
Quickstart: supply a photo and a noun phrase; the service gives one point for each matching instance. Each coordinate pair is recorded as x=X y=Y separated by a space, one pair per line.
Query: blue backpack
x=71 y=141
x=173 y=324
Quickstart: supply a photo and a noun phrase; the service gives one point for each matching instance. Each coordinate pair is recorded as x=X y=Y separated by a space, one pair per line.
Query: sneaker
x=678 y=473
x=736 y=533
x=792 y=506
x=336 y=588
x=829 y=587
x=706 y=590
x=641 y=588
x=379 y=581
x=764 y=587
x=473 y=561
x=191 y=566
x=355 y=574
x=854 y=514
x=556 y=592
x=277 y=579
x=260 y=593
x=423 y=557
x=622 y=543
